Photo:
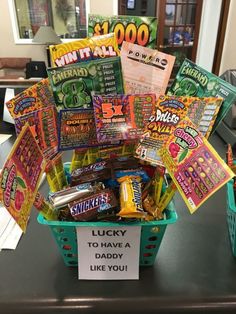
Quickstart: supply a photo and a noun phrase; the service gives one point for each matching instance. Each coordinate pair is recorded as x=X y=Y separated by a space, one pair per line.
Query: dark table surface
x=195 y=271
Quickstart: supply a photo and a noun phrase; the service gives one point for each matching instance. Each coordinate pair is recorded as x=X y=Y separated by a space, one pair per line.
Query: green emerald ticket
x=73 y=85
x=192 y=80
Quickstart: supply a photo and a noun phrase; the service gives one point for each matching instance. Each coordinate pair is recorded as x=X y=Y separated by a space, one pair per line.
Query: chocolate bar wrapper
x=88 y=208
x=124 y=163
x=98 y=171
x=63 y=197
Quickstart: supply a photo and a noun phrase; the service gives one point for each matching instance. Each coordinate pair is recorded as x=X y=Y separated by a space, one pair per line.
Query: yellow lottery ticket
x=85 y=49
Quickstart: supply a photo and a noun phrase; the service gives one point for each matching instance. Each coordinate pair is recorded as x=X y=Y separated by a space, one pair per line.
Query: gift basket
x=231 y=207
x=151 y=236
x=134 y=142
x=231 y=215
x=152 y=222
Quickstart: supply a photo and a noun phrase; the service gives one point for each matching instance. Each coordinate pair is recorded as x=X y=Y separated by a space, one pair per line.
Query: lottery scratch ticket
x=203 y=113
x=145 y=70
x=192 y=80
x=85 y=49
x=166 y=115
x=141 y=30
x=76 y=129
x=193 y=164
x=43 y=124
x=33 y=98
x=122 y=117
x=20 y=177
x=75 y=84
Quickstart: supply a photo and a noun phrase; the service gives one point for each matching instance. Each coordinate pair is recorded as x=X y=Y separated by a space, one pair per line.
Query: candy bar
x=94 y=172
x=125 y=163
x=150 y=206
x=88 y=208
x=137 y=172
x=63 y=197
x=131 y=197
x=44 y=207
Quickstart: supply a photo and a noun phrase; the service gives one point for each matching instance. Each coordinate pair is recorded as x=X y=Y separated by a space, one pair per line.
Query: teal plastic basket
x=231 y=215
x=151 y=236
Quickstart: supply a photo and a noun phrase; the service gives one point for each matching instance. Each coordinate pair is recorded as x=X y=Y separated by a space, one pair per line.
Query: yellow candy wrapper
x=166 y=197
x=149 y=218
x=78 y=158
x=158 y=182
x=131 y=197
x=44 y=207
x=60 y=173
x=52 y=177
x=150 y=207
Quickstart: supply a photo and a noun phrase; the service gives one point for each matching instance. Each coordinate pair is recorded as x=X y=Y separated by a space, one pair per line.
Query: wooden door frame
x=161 y=19
x=197 y=28
x=225 y=6
x=224 y=13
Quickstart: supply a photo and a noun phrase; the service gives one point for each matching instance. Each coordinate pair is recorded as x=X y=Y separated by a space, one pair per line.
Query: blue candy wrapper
x=121 y=173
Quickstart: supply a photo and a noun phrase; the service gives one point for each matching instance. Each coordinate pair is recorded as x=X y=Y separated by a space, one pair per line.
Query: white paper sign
x=108 y=252
x=10 y=232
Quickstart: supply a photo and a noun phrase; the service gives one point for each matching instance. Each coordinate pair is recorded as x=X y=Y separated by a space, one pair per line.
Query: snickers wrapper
x=90 y=207
x=64 y=197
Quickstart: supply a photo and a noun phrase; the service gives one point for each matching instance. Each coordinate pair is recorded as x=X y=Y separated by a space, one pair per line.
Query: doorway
x=184 y=28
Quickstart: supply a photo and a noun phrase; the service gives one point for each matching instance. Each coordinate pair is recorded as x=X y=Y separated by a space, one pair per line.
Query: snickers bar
x=61 y=198
x=88 y=208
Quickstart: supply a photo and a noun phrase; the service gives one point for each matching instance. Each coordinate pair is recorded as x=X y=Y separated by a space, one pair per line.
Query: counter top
x=194 y=272
x=18 y=82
